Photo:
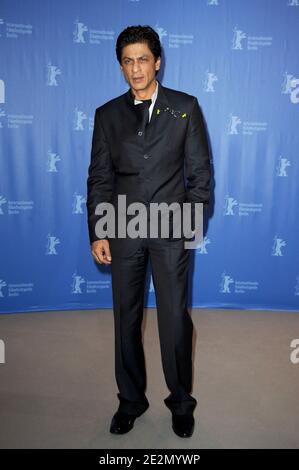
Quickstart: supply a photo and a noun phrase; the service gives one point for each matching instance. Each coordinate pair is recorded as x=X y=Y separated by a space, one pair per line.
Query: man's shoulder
x=178 y=95
x=112 y=104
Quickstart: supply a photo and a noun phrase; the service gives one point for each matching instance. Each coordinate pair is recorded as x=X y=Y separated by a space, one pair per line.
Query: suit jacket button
x=140 y=133
x=146 y=156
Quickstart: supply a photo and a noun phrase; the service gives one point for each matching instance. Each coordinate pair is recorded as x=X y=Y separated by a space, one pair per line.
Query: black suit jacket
x=166 y=161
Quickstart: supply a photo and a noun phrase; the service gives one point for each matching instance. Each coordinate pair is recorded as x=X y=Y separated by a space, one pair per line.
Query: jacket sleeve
x=197 y=159
x=100 y=175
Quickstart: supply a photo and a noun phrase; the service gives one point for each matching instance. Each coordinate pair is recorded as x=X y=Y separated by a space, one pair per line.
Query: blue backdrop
x=58 y=64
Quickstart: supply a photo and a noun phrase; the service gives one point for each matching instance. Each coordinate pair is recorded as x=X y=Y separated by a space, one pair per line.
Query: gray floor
x=57 y=386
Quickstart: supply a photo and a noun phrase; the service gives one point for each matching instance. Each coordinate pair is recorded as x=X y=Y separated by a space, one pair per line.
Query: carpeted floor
x=57 y=385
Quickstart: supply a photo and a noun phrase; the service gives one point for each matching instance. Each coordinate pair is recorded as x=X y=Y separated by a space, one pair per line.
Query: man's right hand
x=101 y=251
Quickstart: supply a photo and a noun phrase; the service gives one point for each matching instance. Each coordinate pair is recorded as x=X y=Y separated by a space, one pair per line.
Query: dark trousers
x=169 y=262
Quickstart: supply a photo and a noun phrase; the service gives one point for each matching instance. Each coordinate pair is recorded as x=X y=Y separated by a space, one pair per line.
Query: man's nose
x=136 y=66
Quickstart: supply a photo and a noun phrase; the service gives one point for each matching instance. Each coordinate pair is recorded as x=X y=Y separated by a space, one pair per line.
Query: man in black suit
x=149 y=144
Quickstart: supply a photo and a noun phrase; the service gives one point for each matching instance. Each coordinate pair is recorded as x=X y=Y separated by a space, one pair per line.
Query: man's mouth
x=137 y=79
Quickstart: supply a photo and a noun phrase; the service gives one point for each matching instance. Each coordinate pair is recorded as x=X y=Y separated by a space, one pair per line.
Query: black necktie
x=145 y=112
x=148 y=102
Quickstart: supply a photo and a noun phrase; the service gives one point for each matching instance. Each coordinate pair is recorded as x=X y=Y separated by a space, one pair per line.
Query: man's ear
x=158 y=63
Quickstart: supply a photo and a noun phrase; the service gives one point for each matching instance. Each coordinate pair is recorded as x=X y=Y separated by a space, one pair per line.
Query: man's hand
x=101 y=251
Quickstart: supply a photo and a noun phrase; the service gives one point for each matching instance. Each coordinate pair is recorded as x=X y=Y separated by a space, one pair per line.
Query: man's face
x=139 y=66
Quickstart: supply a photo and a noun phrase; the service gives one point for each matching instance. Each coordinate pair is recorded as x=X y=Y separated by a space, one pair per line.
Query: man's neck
x=145 y=94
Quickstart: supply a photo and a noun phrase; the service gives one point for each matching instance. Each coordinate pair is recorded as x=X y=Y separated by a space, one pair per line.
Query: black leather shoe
x=183 y=425
x=122 y=423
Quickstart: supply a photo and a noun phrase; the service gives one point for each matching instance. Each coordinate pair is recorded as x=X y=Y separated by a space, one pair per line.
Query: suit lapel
x=162 y=122
x=161 y=103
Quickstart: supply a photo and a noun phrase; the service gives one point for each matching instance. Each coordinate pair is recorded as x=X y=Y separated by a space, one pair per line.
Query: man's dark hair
x=133 y=34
